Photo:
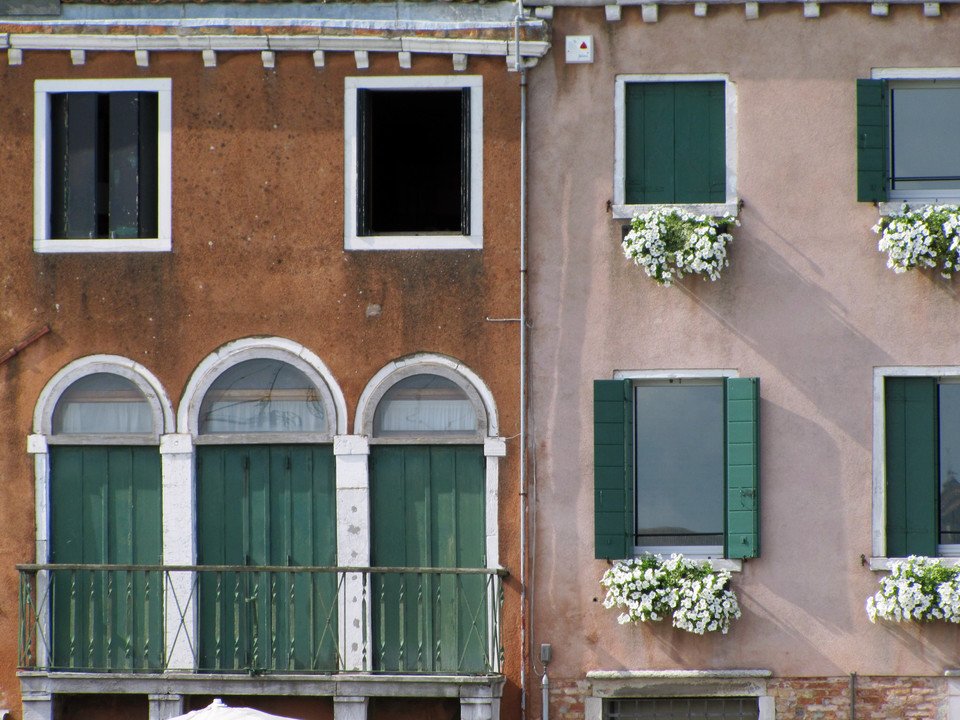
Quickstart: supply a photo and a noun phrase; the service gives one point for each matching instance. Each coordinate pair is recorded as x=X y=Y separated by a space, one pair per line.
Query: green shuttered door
x=675 y=142
x=428 y=510
x=267 y=505
x=105 y=508
x=911 y=465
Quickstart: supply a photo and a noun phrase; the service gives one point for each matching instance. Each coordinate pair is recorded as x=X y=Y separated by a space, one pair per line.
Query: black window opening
x=414 y=162
x=104 y=165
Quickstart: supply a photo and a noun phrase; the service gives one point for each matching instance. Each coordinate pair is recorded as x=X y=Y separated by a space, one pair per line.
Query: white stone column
x=350 y=708
x=493 y=449
x=37 y=706
x=479 y=708
x=37 y=446
x=353 y=550
x=166 y=706
x=179 y=548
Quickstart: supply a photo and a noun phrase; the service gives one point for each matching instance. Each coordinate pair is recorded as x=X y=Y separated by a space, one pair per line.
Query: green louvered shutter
x=105 y=509
x=613 y=478
x=910 y=413
x=649 y=143
x=267 y=505
x=743 y=467
x=872 y=148
x=427 y=509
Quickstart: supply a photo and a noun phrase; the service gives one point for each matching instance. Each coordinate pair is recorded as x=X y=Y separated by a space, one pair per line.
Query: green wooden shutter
x=267 y=505
x=613 y=478
x=872 y=140
x=910 y=414
x=428 y=507
x=743 y=467
x=700 y=143
x=105 y=508
x=675 y=142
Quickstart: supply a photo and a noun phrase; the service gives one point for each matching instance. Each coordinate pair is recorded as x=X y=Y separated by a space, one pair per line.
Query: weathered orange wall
x=257 y=250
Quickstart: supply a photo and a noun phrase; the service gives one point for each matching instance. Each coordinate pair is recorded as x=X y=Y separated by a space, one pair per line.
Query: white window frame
x=427 y=241
x=879 y=560
x=42 y=242
x=731 y=204
x=692 y=552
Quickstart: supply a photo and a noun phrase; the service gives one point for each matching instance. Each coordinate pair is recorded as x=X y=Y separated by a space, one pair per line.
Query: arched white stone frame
x=273 y=348
x=179 y=468
x=38 y=443
x=442 y=365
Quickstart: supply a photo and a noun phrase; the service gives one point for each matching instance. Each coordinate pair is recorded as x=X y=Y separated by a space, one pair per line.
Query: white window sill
x=717 y=210
x=103 y=245
x=881 y=564
x=413 y=242
x=890 y=207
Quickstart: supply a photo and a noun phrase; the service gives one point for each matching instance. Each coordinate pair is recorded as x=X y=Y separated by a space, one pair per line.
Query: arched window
x=264 y=419
x=427 y=424
x=102 y=418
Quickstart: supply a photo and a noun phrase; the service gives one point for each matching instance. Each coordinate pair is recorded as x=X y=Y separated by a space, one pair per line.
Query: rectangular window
x=102 y=177
x=921 y=465
x=694 y=708
x=675 y=143
x=676 y=464
x=410 y=183
x=906 y=136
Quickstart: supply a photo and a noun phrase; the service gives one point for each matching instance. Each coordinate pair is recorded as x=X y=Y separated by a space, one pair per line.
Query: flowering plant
x=926 y=237
x=696 y=596
x=668 y=242
x=917 y=588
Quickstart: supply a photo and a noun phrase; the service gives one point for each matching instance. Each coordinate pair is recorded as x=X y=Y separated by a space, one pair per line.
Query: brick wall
x=877 y=698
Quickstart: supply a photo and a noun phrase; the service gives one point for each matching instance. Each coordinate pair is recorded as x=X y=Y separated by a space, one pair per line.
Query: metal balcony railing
x=219 y=618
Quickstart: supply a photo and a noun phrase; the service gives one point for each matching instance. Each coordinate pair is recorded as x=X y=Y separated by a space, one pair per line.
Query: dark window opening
x=104 y=165
x=414 y=161
x=714 y=708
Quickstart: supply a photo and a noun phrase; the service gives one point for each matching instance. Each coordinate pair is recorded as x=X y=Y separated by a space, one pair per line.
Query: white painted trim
x=879 y=557
x=381 y=381
x=353 y=241
x=717 y=210
x=43 y=243
x=620 y=139
x=674 y=374
x=145 y=380
x=211 y=367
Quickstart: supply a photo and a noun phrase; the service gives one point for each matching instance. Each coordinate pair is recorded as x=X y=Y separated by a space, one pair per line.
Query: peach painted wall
x=807 y=305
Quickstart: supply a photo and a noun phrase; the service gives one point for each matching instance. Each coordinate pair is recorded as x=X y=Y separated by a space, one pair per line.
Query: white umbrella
x=218 y=711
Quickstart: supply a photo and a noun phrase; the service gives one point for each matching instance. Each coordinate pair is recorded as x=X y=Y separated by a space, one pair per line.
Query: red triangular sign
x=583 y=46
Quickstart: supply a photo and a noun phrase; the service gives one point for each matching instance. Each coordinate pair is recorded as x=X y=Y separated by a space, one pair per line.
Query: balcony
x=141 y=619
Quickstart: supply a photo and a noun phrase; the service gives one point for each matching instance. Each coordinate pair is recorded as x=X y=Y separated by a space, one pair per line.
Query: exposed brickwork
x=877 y=698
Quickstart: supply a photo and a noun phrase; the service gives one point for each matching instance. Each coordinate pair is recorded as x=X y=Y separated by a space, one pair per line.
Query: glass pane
x=950 y=463
x=103 y=404
x=262 y=396
x=679 y=464
x=425 y=405
x=925 y=123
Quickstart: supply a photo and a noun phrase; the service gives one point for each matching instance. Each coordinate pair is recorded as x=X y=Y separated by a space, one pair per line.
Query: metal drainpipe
x=546 y=695
x=853 y=696
x=523 y=364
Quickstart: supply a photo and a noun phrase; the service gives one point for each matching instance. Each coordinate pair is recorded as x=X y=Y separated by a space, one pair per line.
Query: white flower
x=668 y=242
x=917 y=588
